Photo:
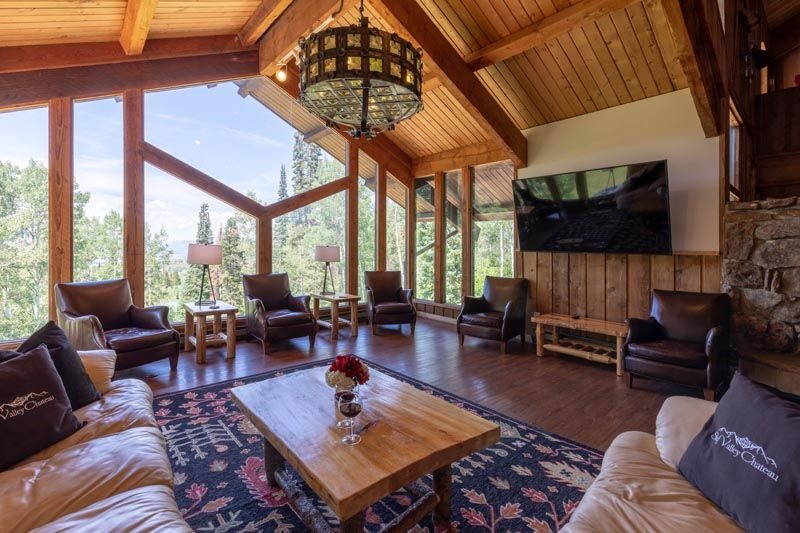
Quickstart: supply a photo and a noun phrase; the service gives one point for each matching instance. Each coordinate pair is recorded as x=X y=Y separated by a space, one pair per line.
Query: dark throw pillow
x=34 y=409
x=79 y=386
x=745 y=459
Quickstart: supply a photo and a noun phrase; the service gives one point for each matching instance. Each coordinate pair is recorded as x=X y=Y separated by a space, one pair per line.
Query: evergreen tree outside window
x=396 y=226
x=492 y=222
x=368 y=173
x=424 y=227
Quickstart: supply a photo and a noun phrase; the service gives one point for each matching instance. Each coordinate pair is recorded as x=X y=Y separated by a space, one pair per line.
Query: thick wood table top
x=220 y=308
x=590 y=325
x=335 y=297
x=409 y=433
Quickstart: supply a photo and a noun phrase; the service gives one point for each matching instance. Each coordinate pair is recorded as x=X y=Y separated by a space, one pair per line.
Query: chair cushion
x=285 y=317
x=130 y=339
x=489 y=319
x=681 y=353
x=393 y=308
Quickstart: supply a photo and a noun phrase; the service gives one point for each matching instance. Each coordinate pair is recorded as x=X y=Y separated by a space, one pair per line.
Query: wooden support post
x=351 y=249
x=467 y=270
x=411 y=237
x=439 y=236
x=380 y=219
x=133 y=193
x=264 y=244
x=60 y=192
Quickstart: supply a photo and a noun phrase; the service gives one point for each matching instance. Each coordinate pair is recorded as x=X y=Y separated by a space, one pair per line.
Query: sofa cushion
x=745 y=458
x=144 y=510
x=131 y=339
x=285 y=317
x=489 y=319
x=636 y=491
x=99 y=365
x=34 y=408
x=678 y=422
x=127 y=404
x=681 y=353
x=37 y=493
x=79 y=387
x=393 y=308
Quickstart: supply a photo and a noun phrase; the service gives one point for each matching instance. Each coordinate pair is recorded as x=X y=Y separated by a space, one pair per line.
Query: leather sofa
x=388 y=302
x=639 y=487
x=272 y=312
x=499 y=314
x=111 y=475
x=98 y=315
x=684 y=341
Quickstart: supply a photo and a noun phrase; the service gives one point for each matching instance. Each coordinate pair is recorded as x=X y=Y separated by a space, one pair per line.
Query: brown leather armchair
x=273 y=313
x=499 y=314
x=98 y=315
x=685 y=340
x=388 y=301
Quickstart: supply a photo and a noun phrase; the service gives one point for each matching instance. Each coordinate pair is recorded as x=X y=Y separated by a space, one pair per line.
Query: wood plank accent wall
x=60 y=193
x=133 y=193
x=612 y=286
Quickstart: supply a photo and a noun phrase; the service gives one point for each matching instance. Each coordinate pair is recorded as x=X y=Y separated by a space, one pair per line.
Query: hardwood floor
x=577 y=399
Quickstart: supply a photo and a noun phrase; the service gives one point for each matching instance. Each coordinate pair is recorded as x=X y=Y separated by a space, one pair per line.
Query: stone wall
x=761 y=272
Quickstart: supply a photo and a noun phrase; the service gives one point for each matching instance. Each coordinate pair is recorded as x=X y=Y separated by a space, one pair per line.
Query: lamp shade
x=204 y=254
x=327 y=254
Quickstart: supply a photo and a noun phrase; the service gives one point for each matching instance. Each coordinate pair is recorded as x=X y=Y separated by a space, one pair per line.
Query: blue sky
x=233 y=139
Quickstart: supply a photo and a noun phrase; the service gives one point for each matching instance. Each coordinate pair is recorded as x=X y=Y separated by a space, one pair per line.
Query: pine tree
x=299 y=171
x=313 y=161
x=233 y=264
x=204 y=233
x=279 y=225
x=192 y=277
x=283 y=186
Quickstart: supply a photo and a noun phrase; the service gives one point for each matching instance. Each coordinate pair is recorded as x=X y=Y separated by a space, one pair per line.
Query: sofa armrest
x=472 y=305
x=155 y=317
x=642 y=330
x=407 y=296
x=678 y=422
x=84 y=332
x=99 y=364
x=299 y=303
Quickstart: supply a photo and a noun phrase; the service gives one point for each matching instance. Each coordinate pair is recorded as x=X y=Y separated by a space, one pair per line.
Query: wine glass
x=345 y=422
x=350 y=407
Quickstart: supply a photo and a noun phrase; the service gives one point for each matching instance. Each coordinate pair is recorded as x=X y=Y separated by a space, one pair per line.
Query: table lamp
x=205 y=254
x=327 y=254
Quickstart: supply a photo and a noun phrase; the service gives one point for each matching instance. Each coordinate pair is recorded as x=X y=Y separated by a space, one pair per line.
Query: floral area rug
x=530 y=480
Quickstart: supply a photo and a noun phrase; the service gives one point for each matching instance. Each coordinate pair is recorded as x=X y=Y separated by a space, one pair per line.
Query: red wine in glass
x=346 y=423
x=350 y=407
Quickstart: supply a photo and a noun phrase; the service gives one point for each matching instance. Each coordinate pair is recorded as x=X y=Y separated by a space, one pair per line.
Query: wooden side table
x=336 y=320
x=196 y=319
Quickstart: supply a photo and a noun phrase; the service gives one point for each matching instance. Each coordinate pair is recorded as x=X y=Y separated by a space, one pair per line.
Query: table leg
x=273 y=461
x=354 y=524
x=200 y=335
x=315 y=308
x=354 y=319
x=539 y=340
x=619 y=356
x=188 y=326
x=334 y=320
x=217 y=324
x=442 y=486
x=231 y=334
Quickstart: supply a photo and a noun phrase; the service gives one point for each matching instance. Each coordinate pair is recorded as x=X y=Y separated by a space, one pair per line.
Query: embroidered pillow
x=746 y=458
x=34 y=409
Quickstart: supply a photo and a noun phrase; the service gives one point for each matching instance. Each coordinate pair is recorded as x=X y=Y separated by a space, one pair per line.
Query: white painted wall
x=662 y=127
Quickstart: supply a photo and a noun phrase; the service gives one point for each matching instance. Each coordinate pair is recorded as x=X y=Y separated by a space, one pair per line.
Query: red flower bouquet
x=346 y=372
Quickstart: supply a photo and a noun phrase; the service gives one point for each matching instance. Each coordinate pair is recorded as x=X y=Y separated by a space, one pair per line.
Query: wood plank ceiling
x=623 y=55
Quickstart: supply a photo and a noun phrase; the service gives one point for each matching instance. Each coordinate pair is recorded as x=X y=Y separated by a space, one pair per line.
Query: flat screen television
x=622 y=209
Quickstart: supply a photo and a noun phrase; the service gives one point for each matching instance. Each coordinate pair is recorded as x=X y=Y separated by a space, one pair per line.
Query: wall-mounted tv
x=622 y=209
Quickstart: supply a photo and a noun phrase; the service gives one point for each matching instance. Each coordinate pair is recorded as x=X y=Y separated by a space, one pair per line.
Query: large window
x=23 y=222
x=452 y=236
x=98 y=190
x=396 y=226
x=493 y=222
x=425 y=236
x=368 y=172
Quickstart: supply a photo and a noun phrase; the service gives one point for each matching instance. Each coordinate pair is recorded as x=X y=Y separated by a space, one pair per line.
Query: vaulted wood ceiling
x=541 y=60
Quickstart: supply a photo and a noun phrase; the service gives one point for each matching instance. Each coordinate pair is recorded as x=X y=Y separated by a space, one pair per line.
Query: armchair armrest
x=299 y=303
x=407 y=296
x=83 y=332
x=642 y=330
x=253 y=306
x=716 y=351
x=155 y=317
x=472 y=305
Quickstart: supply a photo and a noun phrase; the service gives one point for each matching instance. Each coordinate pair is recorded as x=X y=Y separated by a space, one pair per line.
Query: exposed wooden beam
x=188 y=174
x=133 y=238
x=467 y=263
x=784 y=38
x=543 y=30
x=298 y=20
x=317 y=133
x=439 y=237
x=60 y=195
x=53 y=56
x=410 y=20
x=136 y=25
x=351 y=218
x=22 y=89
x=264 y=244
x=473 y=154
x=287 y=205
x=699 y=42
x=380 y=219
x=262 y=18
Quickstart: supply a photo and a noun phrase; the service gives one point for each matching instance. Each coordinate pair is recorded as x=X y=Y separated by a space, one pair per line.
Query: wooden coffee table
x=405 y=434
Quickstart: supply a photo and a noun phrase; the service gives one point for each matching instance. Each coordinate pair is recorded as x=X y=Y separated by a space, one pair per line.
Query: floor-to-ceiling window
x=452 y=237
x=425 y=238
x=492 y=222
x=368 y=175
x=396 y=204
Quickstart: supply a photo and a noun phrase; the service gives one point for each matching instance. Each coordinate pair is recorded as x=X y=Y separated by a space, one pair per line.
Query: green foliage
x=494 y=250
x=193 y=277
x=233 y=265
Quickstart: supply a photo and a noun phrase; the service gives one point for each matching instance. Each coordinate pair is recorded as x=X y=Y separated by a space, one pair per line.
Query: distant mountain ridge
x=743 y=443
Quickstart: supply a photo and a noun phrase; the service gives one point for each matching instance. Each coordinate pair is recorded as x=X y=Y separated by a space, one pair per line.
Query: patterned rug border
x=394 y=373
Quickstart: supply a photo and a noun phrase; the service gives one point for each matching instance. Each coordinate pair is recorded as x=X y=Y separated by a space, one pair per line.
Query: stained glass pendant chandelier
x=360 y=77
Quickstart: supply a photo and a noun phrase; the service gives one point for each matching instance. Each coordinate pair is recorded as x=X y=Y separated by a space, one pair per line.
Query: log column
x=60 y=195
x=380 y=219
x=352 y=219
x=439 y=229
x=133 y=193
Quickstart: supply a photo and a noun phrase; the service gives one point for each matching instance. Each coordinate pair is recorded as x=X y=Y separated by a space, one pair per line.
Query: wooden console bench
x=585 y=350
